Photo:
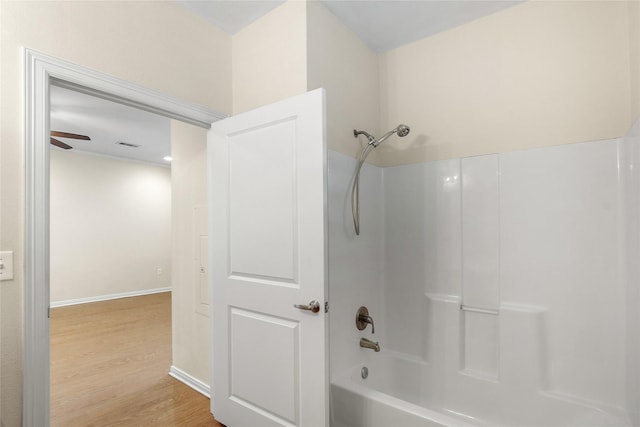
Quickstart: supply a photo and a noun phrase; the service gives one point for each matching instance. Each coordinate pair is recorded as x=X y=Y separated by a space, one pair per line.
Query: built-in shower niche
x=486 y=365
x=513 y=391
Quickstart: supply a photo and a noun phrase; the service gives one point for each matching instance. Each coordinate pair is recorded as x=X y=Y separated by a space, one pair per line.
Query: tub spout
x=365 y=343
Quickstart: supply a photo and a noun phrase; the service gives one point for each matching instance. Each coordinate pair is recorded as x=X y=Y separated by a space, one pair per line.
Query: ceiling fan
x=61 y=144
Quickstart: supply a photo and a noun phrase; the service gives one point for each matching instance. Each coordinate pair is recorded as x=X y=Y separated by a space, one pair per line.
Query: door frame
x=40 y=70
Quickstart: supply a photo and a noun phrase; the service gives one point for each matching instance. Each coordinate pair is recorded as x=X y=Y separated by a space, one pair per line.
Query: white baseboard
x=108 y=297
x=192 y=382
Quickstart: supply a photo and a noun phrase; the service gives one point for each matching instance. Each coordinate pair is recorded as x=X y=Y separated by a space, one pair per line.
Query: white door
x=268 y=252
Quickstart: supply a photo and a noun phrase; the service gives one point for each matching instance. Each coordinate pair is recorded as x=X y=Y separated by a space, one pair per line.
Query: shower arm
x=371 y=138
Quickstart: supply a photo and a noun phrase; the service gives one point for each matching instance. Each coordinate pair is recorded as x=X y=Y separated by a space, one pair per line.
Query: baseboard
x=108 y=297
x=192 y=382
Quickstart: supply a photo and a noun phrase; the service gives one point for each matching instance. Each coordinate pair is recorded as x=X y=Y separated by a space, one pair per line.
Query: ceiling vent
x=127 y=144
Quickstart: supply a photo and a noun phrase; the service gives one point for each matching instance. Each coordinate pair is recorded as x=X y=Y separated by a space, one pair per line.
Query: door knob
x=314 y=306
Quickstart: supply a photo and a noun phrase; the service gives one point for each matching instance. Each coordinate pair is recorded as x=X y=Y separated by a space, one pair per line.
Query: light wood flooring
x=109 y=367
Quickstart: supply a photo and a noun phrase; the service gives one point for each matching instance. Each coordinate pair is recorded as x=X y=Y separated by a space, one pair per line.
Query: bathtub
x=401 y=391
x=389 y=396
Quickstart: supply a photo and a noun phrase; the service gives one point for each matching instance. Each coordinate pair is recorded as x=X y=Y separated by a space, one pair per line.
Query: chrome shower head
x=401 y=130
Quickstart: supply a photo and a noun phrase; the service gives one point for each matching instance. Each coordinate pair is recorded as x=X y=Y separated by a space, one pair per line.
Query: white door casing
x=39 y=71
x=267 y=252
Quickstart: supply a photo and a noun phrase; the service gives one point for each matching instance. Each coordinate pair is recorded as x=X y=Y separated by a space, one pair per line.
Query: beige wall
x=269 y=58
x=155 y=44
x=302 y=46
x=634 y=53
x=110 y=226
x=340 y=62
x=536 y=74
x=190 y=326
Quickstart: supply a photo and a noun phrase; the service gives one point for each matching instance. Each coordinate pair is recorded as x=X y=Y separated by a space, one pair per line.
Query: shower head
x=401 y=130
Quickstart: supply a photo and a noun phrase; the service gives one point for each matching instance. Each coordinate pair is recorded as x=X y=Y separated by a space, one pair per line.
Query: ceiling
x=107 y=123
x=381 y=24
x=230 y=16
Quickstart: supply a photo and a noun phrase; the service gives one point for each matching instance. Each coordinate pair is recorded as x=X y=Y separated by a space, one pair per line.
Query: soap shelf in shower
x=478 y=309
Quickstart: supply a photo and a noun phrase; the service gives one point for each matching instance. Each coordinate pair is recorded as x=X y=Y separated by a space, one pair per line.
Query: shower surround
x=504 y=289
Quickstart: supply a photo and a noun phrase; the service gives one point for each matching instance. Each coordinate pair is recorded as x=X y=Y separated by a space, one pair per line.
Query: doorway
x=110 y=257
x=40 y=71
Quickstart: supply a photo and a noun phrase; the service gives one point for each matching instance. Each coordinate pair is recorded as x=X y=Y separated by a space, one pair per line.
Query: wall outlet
x=6 y=265
x=159 y=271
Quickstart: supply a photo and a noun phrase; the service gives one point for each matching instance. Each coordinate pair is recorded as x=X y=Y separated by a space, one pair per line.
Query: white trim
x=65 y=303
x=35 y=373
x=192 y=382
x=110 y=88
x=39 y=71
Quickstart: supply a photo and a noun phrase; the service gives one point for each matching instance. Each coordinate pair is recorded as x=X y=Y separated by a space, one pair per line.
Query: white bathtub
x=388 y=397
x=402 y=392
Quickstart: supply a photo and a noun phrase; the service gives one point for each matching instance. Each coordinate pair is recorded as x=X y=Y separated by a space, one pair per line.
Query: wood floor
x=109 y=367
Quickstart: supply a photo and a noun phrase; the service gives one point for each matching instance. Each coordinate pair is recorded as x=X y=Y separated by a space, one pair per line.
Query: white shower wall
x=539 y=246
x=356 y=264
x=562 y=247
x=422 y=248
x=631 y=188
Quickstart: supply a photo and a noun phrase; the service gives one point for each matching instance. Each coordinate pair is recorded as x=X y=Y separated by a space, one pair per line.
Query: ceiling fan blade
x=69 y=135
x=60 y=144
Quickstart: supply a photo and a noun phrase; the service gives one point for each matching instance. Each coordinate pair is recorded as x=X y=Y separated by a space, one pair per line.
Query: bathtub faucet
x=365 y=343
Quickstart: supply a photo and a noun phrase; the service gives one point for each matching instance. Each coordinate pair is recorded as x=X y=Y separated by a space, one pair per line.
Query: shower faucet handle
x=363 y=319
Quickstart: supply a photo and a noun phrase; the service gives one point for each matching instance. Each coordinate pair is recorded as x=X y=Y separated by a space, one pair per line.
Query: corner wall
x=269 y=60
x=340 y=62
x=301 y=46
x=154 y=44
x=110 y=226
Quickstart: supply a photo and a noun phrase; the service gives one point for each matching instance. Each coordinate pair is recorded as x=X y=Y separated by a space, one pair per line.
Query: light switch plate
x=6 y=265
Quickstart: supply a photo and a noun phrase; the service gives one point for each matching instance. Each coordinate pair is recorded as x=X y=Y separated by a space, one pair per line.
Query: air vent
x=127 y=144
